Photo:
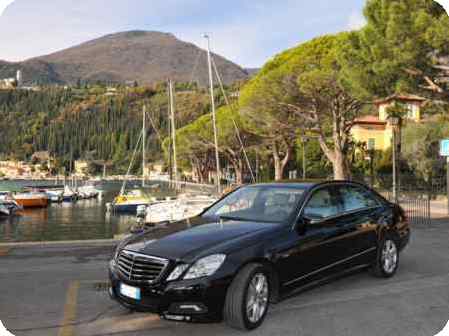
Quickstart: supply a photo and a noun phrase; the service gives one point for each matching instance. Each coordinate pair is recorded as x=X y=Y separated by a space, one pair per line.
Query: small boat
x=88 y=192
x=32 y=199
x=8 y=206
x=129 y=202
x=55 y=195
x=185 y=206
x=69 y=195
x=54 y=192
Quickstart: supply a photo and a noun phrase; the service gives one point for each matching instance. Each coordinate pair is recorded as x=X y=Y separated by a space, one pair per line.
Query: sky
x=248 y=32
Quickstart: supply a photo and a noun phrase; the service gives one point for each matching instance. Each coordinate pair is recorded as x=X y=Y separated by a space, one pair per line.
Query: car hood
x=193 y=237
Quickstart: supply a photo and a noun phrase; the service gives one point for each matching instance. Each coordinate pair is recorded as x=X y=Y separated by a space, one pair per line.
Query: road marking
x=4 y=251
x=70 y=309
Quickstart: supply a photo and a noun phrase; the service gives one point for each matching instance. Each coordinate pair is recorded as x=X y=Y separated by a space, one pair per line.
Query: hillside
x=142 y=56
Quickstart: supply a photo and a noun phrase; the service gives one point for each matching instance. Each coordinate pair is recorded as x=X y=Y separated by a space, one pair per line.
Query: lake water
x=81 y=220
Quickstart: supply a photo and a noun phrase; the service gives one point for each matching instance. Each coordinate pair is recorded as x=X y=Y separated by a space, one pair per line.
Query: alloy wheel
x=257 y=297
x=389 y=256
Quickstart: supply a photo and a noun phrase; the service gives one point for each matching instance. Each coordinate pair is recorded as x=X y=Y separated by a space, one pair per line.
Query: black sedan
x=256 y=246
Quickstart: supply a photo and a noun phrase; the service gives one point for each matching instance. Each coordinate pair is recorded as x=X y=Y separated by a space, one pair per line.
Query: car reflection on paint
x=254 y=247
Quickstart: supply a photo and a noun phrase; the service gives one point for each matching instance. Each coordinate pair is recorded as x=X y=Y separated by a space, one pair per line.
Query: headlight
x=176 y=273
x=205 y=266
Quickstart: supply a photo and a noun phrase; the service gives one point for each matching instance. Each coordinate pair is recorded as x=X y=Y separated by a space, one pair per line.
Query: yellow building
x=81 y=167
x=376 y=131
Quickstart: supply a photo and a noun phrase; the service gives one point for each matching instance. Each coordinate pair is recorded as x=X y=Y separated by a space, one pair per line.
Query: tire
x=241 y=291
x=387 y=260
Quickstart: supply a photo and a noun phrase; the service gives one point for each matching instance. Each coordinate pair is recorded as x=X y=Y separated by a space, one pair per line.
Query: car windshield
x=258 y=203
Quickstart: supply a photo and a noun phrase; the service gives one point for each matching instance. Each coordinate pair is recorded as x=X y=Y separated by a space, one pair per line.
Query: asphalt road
x=60 y=291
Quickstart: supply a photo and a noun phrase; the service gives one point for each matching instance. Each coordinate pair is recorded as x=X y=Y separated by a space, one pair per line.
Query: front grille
x=139 y=267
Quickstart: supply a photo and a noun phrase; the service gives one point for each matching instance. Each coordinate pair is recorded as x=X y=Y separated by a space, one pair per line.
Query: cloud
x=356 y=21
x=4 y=4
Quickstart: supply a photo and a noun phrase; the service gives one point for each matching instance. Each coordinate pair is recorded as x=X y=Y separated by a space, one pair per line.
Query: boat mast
x=143 y=144
x=214 y=119
x=173 y=133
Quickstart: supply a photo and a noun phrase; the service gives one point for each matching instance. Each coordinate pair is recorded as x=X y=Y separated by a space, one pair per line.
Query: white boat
x=69 y=195
x=55 y=195
x=8 y=206
x=185 y=206
x=88 y=192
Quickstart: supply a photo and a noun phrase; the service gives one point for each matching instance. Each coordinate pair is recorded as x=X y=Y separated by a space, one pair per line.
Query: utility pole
x=173 y=133
x=257 y=167
x=304 y=173
x=447 y=184
x=214 y=121
x=170 y=163
x=394 y=167
x=143 y=144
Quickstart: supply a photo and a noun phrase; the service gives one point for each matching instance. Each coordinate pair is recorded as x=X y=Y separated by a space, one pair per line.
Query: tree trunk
x=280 y=164
x=341 y=167
x=278 y=171
x=238 y=172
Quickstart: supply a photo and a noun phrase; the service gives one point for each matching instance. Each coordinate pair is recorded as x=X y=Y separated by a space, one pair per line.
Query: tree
x=421 y=145
x=403 y=48
x=303 y=87
x=196 y=142
x=264 y=105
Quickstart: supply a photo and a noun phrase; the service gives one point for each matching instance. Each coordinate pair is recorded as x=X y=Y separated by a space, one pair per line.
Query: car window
x=355 y=198
x=263 y=203
x=235 y=202
x=321 y=205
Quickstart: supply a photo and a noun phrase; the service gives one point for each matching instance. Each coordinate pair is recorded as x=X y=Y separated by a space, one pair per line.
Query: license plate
x=129 y=291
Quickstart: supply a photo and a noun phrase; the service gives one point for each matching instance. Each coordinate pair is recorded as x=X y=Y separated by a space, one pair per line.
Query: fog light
x=176 y=317
x=189 y=307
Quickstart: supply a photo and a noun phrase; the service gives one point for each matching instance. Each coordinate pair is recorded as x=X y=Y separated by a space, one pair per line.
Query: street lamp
x=395 y=122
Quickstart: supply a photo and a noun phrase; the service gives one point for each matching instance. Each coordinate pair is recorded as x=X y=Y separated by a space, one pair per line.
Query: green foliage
x=421 y=143
x=195 y=142
x=87 y=124
x=399 y=45
x=317 y=166
x=300 y=89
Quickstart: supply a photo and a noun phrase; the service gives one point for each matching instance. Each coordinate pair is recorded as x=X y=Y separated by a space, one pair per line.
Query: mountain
x=143 y=56
x=252 y=71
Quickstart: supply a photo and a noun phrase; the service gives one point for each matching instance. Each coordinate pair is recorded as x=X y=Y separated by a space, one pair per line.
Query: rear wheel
x=248 y=297
x=387 y=261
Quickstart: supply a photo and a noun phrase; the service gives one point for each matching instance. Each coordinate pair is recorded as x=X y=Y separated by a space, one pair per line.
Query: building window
x=411 y=111
x=371 y=144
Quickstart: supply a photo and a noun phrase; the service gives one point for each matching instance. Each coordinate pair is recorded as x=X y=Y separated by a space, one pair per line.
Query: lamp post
x=395 y=123
x=304 y=172
x=371 y=152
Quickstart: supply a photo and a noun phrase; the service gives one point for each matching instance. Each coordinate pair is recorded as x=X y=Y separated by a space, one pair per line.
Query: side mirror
x=301 y=225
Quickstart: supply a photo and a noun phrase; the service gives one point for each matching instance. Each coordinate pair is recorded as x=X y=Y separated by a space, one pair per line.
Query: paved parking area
x=60 y=291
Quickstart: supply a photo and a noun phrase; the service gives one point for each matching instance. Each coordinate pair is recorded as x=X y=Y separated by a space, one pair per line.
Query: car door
x=361 y=211
x=312 y=248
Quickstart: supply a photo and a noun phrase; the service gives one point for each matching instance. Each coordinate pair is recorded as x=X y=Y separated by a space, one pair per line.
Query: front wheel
x=248 y=297
x=387 y=261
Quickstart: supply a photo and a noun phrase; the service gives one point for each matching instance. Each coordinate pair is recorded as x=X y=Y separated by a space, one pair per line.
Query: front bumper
x=198 y=300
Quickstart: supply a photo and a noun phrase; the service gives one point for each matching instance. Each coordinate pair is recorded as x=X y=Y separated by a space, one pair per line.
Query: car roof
x=294 y=185
x=306 y=185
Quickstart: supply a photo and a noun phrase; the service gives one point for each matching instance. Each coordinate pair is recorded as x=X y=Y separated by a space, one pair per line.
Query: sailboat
x=185 y=205
x=129 y=201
